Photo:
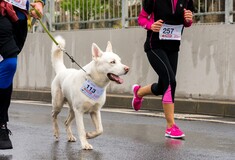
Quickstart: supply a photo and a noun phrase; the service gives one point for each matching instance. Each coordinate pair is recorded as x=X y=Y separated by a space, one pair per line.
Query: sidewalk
x=185 y=106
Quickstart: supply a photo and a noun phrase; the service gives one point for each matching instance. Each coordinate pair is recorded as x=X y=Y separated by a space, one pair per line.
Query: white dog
x=84 y=91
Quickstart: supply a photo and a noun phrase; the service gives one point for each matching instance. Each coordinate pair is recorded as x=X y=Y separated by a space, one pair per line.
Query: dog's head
x=109 y=63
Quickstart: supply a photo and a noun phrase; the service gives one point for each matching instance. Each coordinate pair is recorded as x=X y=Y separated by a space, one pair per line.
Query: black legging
x=5 y=99
x=165 y=65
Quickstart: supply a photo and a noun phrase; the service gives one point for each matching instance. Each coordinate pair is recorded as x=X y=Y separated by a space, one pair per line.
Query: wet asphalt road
x=125 y=137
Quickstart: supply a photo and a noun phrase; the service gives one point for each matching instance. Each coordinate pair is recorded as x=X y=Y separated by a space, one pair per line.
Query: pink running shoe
x=174 y=132
x=136 y=101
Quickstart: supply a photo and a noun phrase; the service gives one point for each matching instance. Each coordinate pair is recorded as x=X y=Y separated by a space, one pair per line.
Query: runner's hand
x=38 y=6
x=156 y=26
x=188 y=15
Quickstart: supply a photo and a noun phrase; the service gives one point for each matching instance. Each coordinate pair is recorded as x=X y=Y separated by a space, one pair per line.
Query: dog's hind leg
x=55 y=123
x=96 y=118
x=57 y=104
x=68 y=121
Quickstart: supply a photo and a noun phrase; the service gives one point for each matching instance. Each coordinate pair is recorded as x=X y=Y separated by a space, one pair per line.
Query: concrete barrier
x=206 y=68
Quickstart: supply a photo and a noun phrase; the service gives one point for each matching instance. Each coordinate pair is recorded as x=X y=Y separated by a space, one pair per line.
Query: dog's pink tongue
x=117 y=79
x=120 y=81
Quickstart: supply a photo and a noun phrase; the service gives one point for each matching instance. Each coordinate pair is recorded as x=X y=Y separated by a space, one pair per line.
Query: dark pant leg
x=7 y=72
x=5 y=99
x=173 y=59
x=160 y=62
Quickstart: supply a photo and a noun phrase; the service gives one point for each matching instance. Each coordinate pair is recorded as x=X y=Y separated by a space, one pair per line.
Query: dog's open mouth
x=115 y=78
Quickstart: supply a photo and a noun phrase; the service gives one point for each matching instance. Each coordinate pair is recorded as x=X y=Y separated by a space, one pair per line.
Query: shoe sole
x=6 y=148
x=176 y=137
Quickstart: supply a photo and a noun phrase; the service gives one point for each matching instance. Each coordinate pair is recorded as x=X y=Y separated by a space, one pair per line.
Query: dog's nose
x=126 y=69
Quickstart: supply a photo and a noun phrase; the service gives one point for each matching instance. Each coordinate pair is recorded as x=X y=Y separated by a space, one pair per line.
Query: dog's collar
x=90 y=78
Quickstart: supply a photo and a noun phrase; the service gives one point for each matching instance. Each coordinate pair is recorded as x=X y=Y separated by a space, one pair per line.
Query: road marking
x=189 y=117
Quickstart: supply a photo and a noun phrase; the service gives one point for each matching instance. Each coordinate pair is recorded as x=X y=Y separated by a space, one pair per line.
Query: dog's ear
x=96 y=51
x=109 y=47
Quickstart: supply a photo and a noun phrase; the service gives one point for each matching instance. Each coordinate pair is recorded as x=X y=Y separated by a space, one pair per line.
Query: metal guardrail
x=91 y=14
x=214 y=11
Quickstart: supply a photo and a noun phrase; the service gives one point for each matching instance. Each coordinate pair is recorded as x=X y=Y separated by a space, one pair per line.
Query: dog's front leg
x=81 y=130
x=96 y=118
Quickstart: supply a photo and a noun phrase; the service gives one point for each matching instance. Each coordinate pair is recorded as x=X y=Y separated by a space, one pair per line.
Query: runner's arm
x=145 y=20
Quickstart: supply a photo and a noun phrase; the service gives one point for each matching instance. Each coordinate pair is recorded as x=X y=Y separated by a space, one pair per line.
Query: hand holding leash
x=37 y=11
x=39 y=15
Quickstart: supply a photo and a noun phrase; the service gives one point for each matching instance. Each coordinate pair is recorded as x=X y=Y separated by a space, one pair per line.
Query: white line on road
x=192 y=117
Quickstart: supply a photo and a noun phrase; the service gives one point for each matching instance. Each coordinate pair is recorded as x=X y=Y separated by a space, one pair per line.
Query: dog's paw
x=72 y=139
x=56 y=137
x=94 y=134
x=87 y=146
x=89 y=135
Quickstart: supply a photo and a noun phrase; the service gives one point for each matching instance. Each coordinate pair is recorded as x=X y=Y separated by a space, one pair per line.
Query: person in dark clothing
x=164 y=21
x=13 y=33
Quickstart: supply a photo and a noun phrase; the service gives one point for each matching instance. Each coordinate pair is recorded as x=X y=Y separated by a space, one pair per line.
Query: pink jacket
x=145 y=20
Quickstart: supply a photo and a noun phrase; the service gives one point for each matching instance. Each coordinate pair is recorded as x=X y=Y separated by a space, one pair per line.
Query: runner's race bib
x=91 y=90
x=170 y=32
x=18 y=3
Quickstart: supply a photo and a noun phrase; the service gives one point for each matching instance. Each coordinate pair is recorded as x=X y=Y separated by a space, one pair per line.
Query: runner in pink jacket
x=164 y=21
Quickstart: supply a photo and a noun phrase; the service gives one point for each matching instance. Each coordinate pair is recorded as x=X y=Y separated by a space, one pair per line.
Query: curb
x=188 y=106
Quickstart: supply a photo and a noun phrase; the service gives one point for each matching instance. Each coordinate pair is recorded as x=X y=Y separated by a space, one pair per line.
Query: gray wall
x=206 y=68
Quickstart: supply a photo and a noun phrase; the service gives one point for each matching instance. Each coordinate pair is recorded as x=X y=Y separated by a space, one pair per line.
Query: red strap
x=6 y=9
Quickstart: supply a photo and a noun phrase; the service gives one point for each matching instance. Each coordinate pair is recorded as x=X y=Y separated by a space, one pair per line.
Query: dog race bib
x=18 y=3
x=170 y=32
x=91 y=90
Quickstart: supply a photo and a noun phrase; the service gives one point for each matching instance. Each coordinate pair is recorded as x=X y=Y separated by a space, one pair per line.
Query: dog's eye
x=113 y=62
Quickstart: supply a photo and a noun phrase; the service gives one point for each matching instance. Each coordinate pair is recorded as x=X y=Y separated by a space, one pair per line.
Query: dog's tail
x=57 y=55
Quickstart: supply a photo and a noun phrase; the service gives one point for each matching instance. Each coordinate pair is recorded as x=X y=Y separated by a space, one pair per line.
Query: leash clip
x=71 y=57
